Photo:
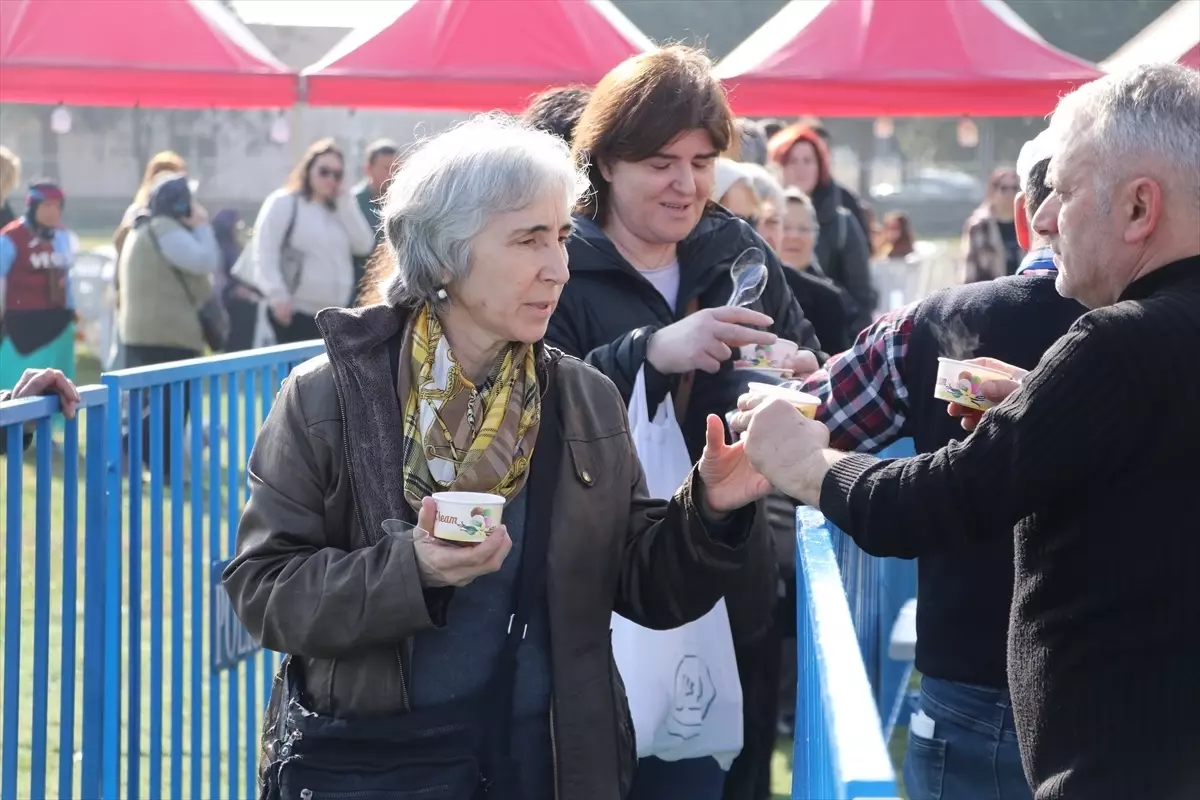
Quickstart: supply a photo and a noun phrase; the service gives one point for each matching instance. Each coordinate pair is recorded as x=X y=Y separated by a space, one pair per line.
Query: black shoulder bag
x=454 y=751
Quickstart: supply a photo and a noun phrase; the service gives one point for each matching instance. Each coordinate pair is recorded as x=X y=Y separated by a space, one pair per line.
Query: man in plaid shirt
x=962 y=743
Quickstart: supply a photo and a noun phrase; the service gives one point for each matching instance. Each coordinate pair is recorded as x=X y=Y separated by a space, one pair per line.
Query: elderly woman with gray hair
x=446 y=671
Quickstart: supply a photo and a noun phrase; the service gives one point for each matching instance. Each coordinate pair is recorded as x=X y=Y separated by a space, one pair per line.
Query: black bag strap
x=531 y=576
x=287 y=234
x=174 y=269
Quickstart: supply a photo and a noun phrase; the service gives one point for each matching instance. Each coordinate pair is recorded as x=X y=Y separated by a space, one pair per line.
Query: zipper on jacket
x=553 y=747
x=363 y=525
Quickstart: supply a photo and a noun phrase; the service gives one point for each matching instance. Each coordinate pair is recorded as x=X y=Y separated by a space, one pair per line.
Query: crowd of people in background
x=603 y=224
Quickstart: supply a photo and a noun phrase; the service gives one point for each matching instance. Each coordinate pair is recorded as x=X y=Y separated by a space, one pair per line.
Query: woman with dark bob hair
x=450 y=671
x=650 y=275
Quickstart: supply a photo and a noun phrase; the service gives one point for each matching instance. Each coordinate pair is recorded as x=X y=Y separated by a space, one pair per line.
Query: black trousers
x=140 y=355
x=303 y=328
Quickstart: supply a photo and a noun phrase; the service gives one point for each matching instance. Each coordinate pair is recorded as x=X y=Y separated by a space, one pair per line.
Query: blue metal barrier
x=162 y=572
x=52 y=540
x=876 y=588
x=840 y=753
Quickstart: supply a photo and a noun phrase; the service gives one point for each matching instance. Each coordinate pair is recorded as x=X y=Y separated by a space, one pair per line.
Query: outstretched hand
x=729 y=480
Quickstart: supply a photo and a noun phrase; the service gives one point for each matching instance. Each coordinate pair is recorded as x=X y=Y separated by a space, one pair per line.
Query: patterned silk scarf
x=458 y=437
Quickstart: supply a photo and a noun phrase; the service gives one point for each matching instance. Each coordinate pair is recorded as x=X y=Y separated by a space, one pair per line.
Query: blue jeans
x=690 y=779
x=973 y=754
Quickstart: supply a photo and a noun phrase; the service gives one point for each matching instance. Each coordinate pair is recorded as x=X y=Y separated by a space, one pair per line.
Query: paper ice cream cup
x=766 y=356
x=962 y=382
x=805 y=403
x=466 y=517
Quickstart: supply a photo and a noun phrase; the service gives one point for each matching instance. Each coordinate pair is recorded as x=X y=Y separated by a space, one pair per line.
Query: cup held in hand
x=805 y=403
x=765 y=356
x=466 y=517
x=962 y=382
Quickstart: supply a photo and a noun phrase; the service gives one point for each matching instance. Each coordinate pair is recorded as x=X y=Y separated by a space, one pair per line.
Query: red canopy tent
x=866 y=58
x=155 y=53
x=1174 y=36
x=474 y=54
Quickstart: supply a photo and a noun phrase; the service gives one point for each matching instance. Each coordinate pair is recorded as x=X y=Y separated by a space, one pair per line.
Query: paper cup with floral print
x=962 y=382
x=466 y=517
x=765 y=356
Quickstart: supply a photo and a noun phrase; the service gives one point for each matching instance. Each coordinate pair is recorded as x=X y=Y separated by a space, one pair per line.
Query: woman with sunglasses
x=990 y=236
x=305 y=240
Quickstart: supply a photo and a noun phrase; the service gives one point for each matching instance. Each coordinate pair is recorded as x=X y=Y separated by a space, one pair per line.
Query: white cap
x=727 y=173
x=1036 y=149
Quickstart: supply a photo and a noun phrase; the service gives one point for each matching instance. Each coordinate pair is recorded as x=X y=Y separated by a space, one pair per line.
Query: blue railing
x=172 y=690
x=225 y=399
x=160 y=692
x=74 y=659
x=840 y=753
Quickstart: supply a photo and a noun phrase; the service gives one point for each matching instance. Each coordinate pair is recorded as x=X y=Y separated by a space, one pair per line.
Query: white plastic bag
x=683 y=686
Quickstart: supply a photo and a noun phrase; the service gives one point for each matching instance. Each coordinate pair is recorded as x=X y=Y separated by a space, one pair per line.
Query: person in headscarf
x=239 y=298
x=37 y=327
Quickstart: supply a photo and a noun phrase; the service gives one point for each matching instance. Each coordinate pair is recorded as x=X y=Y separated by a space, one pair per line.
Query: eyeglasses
x=1009 y=187
x=329 y=172
x=750 y=220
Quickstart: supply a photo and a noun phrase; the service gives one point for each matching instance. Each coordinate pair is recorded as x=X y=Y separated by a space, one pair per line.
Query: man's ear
x=1021 y=221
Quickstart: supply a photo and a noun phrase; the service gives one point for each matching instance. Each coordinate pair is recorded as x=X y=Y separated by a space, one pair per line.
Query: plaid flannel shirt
x=864 y=401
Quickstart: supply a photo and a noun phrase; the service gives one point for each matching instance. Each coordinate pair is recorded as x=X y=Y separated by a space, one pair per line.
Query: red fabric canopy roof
x=153 y=53
x=474 y=55
x=865 y=58
x=1174 y=36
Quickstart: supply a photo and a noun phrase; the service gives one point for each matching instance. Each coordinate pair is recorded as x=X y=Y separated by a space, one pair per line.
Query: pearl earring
x=441 y=295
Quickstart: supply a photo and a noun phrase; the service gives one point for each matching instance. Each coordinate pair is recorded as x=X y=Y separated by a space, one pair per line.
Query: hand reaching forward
x=729 y=480
x=779 y=441
x=706 y=339
x=444 y=564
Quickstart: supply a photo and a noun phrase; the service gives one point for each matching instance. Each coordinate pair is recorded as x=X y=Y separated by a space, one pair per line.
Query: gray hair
x=451 y=185
x=1152 y=109
x=768 y=189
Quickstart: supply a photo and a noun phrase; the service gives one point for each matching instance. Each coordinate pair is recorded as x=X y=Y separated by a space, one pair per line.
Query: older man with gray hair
x=1092 y=459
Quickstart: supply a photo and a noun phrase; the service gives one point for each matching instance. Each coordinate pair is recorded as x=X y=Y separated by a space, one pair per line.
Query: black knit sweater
x=1094 y=463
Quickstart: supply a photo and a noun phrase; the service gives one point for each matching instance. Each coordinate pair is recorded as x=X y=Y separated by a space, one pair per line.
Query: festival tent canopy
x=151 y=53
x=866 y=58
x=1175 y=36
x=473 y=55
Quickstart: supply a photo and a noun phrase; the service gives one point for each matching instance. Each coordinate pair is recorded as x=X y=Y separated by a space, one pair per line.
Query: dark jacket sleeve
x=1025 y=453
x=781 y=305
x=619 y=359
x=855 y=272
x=26 y=438
x=293 y=591
x=851 y=203
x=677 y=562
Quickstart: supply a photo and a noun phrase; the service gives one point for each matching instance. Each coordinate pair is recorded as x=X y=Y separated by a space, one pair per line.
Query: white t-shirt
x=666 y=280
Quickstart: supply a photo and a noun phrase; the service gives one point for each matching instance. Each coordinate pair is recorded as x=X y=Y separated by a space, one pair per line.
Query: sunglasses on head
x=329 y=172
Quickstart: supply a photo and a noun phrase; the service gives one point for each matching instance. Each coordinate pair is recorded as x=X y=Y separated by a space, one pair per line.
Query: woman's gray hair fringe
x=448 y=188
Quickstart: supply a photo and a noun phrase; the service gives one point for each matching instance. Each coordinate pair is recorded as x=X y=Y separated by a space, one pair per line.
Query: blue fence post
x=111 y=672
x=95 y=539
x=839 y=749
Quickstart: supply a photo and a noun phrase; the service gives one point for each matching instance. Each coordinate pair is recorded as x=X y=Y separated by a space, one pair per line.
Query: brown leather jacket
x=315 y=577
